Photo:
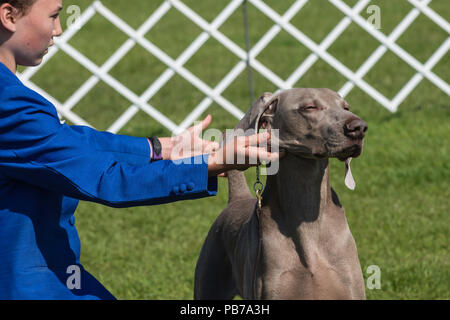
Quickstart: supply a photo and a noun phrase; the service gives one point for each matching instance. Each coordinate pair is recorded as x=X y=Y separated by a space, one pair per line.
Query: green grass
x=399 y=212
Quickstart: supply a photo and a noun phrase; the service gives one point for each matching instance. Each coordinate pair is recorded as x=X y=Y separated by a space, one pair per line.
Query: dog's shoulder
x=238 y=212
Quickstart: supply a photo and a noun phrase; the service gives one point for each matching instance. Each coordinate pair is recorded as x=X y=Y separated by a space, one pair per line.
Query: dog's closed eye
x=308 y=107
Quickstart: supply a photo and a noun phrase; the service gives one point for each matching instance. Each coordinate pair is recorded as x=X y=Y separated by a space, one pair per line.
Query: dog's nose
x=355 y=128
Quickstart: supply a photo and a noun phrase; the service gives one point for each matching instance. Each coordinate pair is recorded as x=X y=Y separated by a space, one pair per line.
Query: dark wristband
x=156 y=149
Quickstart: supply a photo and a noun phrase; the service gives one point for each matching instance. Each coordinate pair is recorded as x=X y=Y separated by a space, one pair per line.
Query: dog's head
x=312 y=123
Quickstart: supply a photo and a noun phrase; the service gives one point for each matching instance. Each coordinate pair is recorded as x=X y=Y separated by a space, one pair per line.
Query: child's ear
x=8 y=17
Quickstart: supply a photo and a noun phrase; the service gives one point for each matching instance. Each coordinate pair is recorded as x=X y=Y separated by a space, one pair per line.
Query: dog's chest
x=300 y=266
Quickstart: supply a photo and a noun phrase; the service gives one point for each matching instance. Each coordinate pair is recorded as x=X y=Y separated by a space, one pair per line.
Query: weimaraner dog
x=300 y=245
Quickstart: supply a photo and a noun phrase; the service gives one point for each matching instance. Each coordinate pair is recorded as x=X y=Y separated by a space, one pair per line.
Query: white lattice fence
x=211 y=30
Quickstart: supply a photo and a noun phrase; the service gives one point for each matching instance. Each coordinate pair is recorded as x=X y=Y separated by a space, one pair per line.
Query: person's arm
x=238 y=153
x=86 y=164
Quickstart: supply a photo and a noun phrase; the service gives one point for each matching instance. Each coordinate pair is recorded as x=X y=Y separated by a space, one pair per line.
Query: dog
x=298 y=245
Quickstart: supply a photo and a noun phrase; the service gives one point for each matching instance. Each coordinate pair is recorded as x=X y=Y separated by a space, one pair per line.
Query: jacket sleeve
x=86 y=164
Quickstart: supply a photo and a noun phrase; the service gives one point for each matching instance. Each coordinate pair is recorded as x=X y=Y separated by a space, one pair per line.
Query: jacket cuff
x=196 y=166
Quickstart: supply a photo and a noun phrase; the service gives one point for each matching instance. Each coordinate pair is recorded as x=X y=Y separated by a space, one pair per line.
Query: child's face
x=35 y=32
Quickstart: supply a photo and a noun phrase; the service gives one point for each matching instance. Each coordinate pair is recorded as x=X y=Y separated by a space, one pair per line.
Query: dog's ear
x=254 y=113
x=265 y=120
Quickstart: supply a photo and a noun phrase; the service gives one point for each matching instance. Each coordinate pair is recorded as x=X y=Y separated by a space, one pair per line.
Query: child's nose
x=57 y=31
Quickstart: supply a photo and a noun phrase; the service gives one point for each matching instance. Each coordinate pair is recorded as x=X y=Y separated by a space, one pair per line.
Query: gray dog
x=299 y=246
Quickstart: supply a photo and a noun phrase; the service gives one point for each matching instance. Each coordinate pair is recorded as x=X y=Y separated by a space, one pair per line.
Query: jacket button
x=183 y=187
x=72 y=220
x=176 y=189
x=191 y=186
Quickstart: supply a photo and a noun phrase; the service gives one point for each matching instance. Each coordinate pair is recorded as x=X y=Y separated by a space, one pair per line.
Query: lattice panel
x=211 y=30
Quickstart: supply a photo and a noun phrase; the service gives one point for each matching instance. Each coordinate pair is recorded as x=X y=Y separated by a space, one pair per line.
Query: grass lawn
x=399 y=212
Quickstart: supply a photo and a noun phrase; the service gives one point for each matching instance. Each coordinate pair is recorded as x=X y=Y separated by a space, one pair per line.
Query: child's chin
x=31 y=63
x=36 y=63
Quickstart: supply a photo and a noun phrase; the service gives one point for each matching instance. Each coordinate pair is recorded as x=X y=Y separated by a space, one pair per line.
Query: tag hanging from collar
x=349 y=181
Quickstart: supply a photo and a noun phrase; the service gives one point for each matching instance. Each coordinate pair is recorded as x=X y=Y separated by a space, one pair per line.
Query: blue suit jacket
x=45 y=168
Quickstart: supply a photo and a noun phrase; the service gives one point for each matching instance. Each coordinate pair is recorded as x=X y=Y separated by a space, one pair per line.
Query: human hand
x=188 y=144
x=241 y=153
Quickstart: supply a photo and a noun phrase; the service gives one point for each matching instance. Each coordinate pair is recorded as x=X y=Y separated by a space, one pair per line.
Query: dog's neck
x=301 y=190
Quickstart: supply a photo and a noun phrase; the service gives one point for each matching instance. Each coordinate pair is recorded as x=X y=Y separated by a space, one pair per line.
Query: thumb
x=203 y=124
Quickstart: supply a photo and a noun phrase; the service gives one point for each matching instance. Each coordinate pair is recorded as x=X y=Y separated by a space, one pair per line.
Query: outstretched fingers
x=261 y=154
x=257 y=139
